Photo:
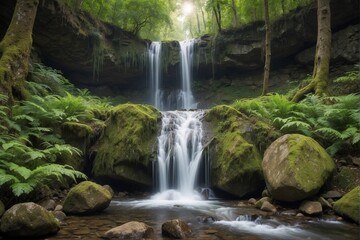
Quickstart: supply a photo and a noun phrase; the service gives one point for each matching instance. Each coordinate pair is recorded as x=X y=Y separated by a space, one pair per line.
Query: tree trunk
x=15 y=50
x=319 y=81
x=267 y=48
x=235 y=14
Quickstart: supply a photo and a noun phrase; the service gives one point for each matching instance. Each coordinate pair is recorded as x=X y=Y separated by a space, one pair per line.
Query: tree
x=319 y=81
x=267 y=48
x=15 y=50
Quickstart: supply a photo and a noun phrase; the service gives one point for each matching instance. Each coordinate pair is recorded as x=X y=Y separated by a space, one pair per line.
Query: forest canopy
x=181 y=19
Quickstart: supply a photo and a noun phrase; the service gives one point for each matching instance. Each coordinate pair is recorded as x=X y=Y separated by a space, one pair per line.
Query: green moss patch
x=306 y=157
x=125 y=148
x=236 y=165
x=349 y=205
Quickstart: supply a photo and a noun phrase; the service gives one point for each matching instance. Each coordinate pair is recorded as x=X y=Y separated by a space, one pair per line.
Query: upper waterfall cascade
x=177 y=98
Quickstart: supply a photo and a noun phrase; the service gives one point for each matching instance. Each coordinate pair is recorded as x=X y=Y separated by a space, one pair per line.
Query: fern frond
x=329 y=133
x=16 y=169
x=7 y=179
x=21 y=188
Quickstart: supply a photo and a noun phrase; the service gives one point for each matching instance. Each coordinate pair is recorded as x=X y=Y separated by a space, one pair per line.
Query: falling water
x=154 y=52
x=186 y=97
x=179 y=154
x=170 y=98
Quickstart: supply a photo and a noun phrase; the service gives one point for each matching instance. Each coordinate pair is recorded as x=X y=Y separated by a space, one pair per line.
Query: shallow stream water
x=208 y=220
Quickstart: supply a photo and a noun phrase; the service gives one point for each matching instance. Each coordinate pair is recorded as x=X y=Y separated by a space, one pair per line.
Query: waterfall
x=176 y=95
x=179 y=154
x=186 y=96
x=154 y=52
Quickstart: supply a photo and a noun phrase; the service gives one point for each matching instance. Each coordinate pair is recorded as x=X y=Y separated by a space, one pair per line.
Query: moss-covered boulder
x=125 y=149
x=87 y=198
x=25 y=220
x=236 y=162
x=296 y=167
x=349 y=205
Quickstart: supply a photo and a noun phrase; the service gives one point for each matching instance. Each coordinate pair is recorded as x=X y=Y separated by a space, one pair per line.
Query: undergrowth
x=30 y=134
x=332 y=121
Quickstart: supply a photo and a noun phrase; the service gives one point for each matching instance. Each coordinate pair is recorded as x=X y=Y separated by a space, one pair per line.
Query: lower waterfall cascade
x=179 y=155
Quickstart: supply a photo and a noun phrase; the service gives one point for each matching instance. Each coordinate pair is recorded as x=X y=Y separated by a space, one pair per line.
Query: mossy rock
x=236 y=163
x=296 y=167
x=349 y=205
x=25 y=220
x=86 y=198
x=78 y=135
x=125 y=148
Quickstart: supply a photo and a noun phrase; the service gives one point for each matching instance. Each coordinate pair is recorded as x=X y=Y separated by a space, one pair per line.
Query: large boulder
x=236 y=162
x=349 y=205
x=130 y=231
x=86 y=198
x=125 y=149
x=296 y=167
x=28 y=220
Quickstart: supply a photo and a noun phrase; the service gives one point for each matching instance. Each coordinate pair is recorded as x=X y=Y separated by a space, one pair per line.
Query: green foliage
x=30 y=143
x=170 y=19
x=23 y=181
x=352 y=76
x=45 y=80
x=333 y=121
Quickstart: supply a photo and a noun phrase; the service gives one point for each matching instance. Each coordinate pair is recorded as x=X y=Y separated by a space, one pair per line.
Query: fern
x=23 y=181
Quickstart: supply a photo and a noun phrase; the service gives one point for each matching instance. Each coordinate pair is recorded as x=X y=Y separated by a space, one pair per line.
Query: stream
x=213 y=219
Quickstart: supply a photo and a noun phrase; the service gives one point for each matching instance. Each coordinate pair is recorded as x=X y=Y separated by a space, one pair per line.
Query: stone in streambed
x=130 y=231
x=311 y=208
x=176 y=228
x=28 y=220
x=86 y=198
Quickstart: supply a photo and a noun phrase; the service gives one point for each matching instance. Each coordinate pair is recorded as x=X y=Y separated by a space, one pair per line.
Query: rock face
x=349 y=205
x=124 y=150
x=236 y=162
x=296 y=167
x=86 y=198
x=130 y=231
x=176 y=229
x=28 y=220
x=2 y=208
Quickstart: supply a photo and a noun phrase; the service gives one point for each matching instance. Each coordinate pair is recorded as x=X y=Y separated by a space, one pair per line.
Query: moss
x=236 y=167
x=28 y=220
x=305 y=162
x=87 y=197
x=81 y=130
x=349 y=205
x=127 y=140
x=15 y=50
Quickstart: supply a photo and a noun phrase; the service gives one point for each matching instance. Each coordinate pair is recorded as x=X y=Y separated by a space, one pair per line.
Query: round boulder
x=27 y=220
x=176 y=228
x=86 y=198
x=130 y=231
x=296 y=167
